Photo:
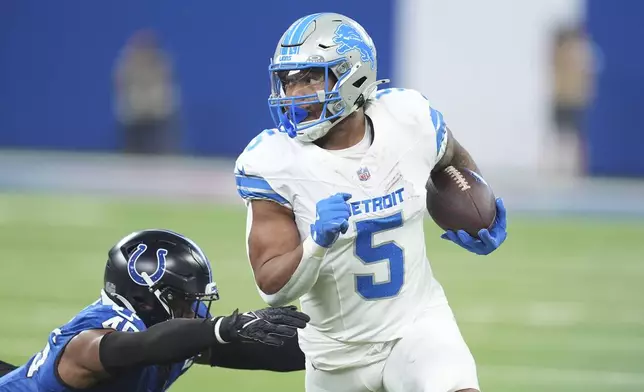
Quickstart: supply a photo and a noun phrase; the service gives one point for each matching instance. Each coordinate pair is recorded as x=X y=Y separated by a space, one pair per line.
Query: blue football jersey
x=39 y=373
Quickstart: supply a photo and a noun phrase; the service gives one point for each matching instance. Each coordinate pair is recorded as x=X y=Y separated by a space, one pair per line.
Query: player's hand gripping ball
x=462 y=204
x=331 y=218
x=488 y=239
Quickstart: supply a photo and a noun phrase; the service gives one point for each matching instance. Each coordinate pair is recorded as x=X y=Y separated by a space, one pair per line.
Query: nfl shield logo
x=363 y=174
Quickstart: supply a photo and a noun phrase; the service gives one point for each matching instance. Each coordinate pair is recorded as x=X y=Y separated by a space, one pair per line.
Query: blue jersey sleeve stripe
x=249 y=193
x=440 y=137
x=439 y=125
x=253 y=182
x=437 y=118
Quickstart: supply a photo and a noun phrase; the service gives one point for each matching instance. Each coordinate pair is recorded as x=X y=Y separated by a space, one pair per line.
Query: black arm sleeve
x=164 y=343
x=6 y=368
x=256 y=356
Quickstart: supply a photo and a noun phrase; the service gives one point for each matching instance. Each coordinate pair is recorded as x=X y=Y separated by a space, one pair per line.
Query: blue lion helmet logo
x=348 y=38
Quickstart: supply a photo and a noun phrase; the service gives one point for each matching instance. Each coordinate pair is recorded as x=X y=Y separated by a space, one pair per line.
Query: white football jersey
x=376 y=277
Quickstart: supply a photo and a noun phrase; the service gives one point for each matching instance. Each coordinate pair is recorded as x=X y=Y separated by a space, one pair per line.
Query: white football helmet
x=335 y=44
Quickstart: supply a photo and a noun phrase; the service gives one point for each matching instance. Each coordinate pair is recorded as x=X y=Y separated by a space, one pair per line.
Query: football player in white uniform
x=336 y=201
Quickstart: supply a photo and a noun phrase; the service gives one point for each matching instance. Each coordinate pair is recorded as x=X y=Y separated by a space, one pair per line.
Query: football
x=459 y=199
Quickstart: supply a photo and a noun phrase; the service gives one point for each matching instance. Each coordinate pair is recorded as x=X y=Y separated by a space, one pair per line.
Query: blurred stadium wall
x=490 y=67
x=58 y=65
x=486 y=65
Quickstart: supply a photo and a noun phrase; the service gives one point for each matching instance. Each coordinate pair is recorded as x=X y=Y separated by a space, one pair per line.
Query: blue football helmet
x=334 y=54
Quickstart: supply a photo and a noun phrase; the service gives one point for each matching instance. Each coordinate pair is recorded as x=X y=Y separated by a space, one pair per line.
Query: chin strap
x=373 y=87
x=156 y=293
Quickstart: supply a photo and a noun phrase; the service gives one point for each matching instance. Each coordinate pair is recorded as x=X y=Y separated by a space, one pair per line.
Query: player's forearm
x=167 y=342
x=253 y=356
x=6 y=368
x=285 y=278
x=277 y=271
x=463 y=159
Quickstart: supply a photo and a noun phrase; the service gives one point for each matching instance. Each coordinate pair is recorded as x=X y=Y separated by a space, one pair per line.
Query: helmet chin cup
x=314 y=132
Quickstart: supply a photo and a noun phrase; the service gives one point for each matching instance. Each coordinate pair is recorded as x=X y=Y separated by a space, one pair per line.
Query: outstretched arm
x=94 y=355
x=6 y=368
x=253 y=356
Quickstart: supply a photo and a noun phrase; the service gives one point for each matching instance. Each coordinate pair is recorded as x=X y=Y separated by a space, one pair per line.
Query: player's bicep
x=272 y=232
x=444 y=159
x=80 y=364
x=455 y=155
x=254 y=187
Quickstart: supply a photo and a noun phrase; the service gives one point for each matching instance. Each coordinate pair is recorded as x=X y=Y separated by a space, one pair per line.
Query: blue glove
x=488 y=241
x=331 y=219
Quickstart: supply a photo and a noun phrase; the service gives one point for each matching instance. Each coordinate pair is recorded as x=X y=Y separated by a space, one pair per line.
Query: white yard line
x=527 y=375
x=71 y=211
x=545 y=314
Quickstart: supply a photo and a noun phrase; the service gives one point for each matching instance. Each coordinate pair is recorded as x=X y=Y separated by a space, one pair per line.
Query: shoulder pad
x=105 y=313
x=411 y=106
x=405 y=104
x=262 y=166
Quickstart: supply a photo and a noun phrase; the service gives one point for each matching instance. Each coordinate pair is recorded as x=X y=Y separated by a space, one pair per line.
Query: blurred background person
x=147 y=97
x=572 y=66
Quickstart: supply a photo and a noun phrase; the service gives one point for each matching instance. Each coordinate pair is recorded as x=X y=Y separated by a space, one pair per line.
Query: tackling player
x=336 y=200
x=152 y=322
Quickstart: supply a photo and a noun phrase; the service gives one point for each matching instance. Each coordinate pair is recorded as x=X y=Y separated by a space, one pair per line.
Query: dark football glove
x=268 y=326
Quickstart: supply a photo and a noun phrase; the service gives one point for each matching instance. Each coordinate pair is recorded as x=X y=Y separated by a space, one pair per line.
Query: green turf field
x=560 y=307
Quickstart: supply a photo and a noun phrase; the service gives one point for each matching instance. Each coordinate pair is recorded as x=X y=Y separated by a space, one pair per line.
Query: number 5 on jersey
x=389 y=252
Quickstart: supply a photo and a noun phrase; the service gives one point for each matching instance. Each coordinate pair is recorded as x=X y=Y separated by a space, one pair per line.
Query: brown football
x=459 y=199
